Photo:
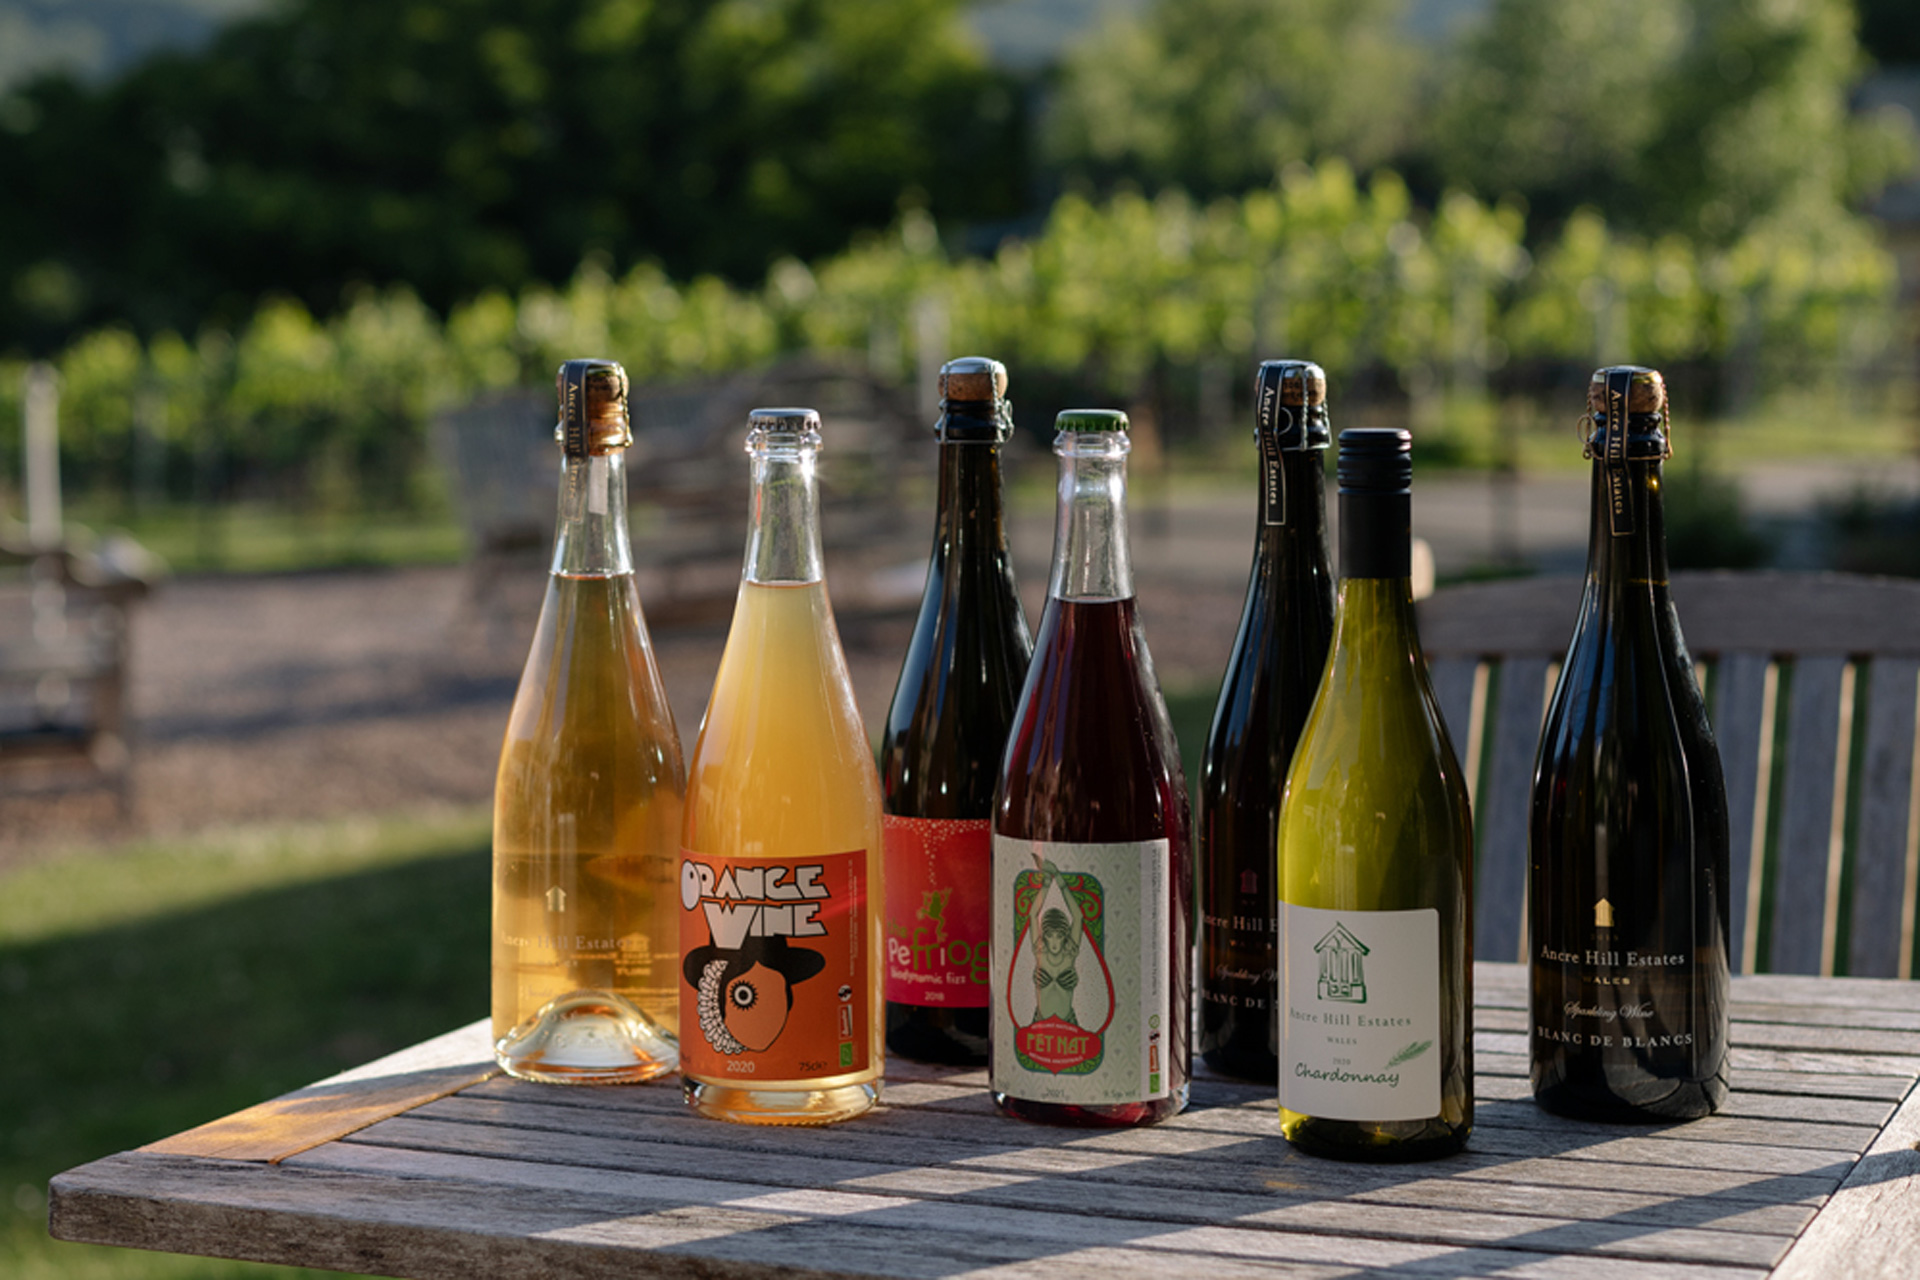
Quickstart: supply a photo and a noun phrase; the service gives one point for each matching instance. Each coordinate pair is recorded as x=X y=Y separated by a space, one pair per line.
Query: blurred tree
x=1704 y=118
x=1216 y=96
x=463 y=145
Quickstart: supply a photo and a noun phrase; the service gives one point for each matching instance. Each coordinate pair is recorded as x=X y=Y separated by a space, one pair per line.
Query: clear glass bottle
x=586 y=817
x=1092 y=865
x=940 y=756
x=1272 y=675
x=1627 y=886
x=780 y=858
x=1376 y=862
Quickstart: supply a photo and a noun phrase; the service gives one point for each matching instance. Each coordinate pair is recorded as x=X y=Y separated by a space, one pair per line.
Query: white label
x=1360 y=1026
x=597 y=485
x=1079 y=952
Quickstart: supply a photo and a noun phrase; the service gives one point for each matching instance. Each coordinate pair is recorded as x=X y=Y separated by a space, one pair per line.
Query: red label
x=773 y=969
x=1056 y=1045
x=939 y=909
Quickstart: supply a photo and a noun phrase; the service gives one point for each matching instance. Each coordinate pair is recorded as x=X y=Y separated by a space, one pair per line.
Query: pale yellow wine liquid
x=783 y=770
x=586 y=831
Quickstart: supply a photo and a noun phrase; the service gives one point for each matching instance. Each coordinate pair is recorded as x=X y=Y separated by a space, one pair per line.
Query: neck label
x=1273 y=480
x=573 y=409
x=1614 y=454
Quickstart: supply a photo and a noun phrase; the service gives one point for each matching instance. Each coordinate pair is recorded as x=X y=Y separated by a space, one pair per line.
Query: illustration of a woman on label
x=1059 y=992
x=745 y=995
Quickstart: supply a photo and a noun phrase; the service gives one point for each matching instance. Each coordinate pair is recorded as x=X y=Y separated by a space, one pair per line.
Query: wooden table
x=429 y=1164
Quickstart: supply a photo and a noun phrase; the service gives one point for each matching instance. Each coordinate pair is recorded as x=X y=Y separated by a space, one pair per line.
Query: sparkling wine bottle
x=586 y=816
x=1376 y=862
x=1092 y=869
x=780 y=860
x=940 y=756
x=1271 y=678
x=1627 y=891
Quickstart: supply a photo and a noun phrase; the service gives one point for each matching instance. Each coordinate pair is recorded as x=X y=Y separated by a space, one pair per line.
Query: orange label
x=773 y=970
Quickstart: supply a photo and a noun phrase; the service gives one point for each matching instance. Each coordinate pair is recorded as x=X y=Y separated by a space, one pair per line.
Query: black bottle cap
x=1376 y=460
x=1290 y=405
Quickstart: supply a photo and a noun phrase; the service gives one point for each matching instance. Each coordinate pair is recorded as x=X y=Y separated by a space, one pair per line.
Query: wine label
x=1081 y=1006
x=1602 y=997
x=1360 y=1022
x=938 y=910
x=773 y=968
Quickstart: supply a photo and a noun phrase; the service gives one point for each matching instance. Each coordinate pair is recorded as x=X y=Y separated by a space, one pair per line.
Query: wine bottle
x=587 y=804
x=1272 y=675
x=1627 y=852
x=1092 y=867
x=1376 y=862
x=940 y=756
x=780 y=860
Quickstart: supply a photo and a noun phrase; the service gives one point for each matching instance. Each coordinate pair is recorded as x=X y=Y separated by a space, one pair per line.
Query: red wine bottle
x=1092 y=868
x=1627 y=891
x=940 y=756
x=1271 y=678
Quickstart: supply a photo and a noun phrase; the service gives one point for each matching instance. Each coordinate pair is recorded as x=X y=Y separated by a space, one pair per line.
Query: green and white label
x=1079 y=954
x=1360 y=1021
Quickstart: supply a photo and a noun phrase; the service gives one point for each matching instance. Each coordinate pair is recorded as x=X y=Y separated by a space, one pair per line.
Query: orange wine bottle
x=780 y=857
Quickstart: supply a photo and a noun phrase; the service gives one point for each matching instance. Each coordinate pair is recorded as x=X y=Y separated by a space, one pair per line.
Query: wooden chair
x=1810 y=682
x=64 y=633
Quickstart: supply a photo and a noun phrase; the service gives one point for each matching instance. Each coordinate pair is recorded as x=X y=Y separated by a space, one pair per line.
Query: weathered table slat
x=420 y=1165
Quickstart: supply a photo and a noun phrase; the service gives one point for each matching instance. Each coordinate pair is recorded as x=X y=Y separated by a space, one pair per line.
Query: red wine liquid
x=1093 y=760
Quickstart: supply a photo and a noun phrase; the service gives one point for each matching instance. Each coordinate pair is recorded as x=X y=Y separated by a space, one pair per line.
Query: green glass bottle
x=1376 y=862
x=1627 y=888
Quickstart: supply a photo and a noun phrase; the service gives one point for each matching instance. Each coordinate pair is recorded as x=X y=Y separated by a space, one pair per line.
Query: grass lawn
x=152 y=987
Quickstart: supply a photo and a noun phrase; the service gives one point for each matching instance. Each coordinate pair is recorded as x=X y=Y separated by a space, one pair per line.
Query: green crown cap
x=1084 y=420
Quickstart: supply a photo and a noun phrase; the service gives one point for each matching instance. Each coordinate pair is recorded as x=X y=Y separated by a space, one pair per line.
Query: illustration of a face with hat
x=745 y=994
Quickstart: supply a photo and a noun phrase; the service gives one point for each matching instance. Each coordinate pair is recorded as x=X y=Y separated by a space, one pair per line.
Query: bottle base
x=587 y=1037
x=949 y=1037
x=1243 y=1062
x=1681 y=1100
x=1387 y=1142
x=780 y=1106
x=1127 y=1115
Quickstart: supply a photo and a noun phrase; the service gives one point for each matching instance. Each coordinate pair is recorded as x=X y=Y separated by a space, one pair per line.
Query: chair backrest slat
x=1500 y=890
x=1805 y=859
x=1880 y=925
x=1457 y=687
x=1742 y=715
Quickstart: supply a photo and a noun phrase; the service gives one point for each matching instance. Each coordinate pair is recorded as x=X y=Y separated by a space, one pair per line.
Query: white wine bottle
x=1627 y=885
x=586 y=809
x=1375 y=862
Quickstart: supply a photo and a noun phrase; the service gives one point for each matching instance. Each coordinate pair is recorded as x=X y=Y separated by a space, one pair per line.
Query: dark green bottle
x=940 y=757
x=1271 y=677
x=1627 y=892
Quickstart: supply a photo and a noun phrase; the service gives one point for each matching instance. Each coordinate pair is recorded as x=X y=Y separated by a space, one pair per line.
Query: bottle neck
x=1292 y=526
x=1376 y=535
x=971 y=520
x=1090 y=556
x=783 y=534
x=1627 y=538
x=590 y=539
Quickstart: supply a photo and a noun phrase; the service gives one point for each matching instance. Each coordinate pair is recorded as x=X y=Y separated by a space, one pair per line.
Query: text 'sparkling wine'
x=1271 y=678
x=1376 y=862
x=780 y=852
x=586 y=809
x=1627 y=890
x=940 y=756
x=1092 y=870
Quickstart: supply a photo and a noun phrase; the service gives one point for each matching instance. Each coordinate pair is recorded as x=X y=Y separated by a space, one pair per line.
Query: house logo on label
x=1343 y=974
